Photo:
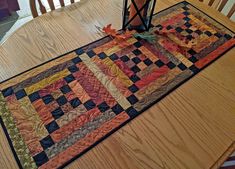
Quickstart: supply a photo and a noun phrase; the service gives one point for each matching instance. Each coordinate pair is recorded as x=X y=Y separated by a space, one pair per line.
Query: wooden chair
x=220 y=4
x=42 y=7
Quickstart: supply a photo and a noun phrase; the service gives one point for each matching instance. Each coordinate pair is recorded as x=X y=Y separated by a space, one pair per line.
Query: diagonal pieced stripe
x=79 y=91
x=33 y=117
x=203 y=41
x=41 y=84
x=82 y=144
x=164 y=15
x=214 y=54
x=203 y=53
x=105 y=81
x=92 y=86
x=155 y=51
x=153 y=86
x=24 y=122
x=167 y=45
x=178 y=18
x=42 y=70
x=150 y=98
x=52 y=87
x=167 y=54
x=117 y=48
x=33 y=80
x=114 y=75
x=71 y=115
x=125 y=50
x=116 y=71
x=79 y=134
x=148 y=54
x=146 y=71
x=74 y=125
x=112 y=47
x=208 y=20
x=200 y=23
x=146 y=80
x=17 y=140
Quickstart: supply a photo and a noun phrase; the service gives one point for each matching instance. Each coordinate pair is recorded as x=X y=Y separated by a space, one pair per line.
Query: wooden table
x=193 y=127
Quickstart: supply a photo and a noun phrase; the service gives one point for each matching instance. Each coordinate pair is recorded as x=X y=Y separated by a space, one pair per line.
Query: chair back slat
x=51 y=4
x=232 y=11
x=211 y=2
x=62 y=3
x=42 y=7
x=33 y=8
x=222 y=4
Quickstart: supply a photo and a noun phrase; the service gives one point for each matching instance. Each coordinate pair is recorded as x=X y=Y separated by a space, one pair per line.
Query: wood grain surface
x=191 y=128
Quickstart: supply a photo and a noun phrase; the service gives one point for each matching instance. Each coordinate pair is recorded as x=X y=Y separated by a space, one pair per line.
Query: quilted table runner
x=57 y=111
